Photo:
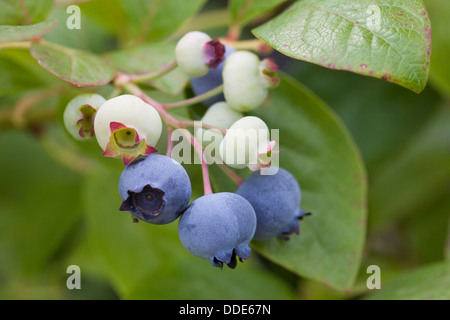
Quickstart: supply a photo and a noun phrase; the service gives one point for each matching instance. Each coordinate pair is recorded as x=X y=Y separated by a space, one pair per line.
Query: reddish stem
x=201 y=124
x=196 y=99
x=231 y=174
x=169 y=142
x=205 y=173
x=150 y=76
x=134 y=89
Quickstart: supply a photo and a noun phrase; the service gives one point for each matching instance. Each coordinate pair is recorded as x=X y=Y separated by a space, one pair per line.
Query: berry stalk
x=25 y=104
x=134 y=89
x=153 y=75
x=196 y=99
x=205 y=173
x=231 y=174
x=256 y=45
x=169 y=142
x=168 y=118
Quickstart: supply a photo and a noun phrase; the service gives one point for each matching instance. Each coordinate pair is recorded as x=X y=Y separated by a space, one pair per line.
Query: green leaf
x=439 y=11
x=427 y=283
x=20 y=12
x=414 y=175
x=15 y=78
x=21 y=33
x=381 y=117
x=114 y=20
x=37 y=216
x=145 y=261
x=92 y=35
x=426 y=230
x=390 y=40
x=243 y=11
x=150 y=58
x=20 y=72
x=81 y=68
x=153 y=20
x=386 y=121
x=447 y=243
x=320 y=153
x=199 y=280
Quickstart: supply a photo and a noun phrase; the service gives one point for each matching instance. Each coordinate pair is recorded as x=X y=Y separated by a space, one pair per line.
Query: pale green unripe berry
x=190 y=53
x=219 y=115
x=244 y=87
x=127 y=126
x=196 y=53
x=244 y=141
x=79 y=113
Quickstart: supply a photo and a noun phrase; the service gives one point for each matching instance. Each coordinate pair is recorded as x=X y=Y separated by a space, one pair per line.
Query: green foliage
x=335 y=194
x=357 y=36
x=24 y=12
x=244 y=11
x=153 y=20
x=20 y=33
x=439 y=11
x=429 y=283
x=372 y=157
x=81 y=68
x=37 y=216
x=148 y=58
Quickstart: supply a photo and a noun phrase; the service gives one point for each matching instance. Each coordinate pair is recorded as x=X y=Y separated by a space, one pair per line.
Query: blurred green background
x=59 y=198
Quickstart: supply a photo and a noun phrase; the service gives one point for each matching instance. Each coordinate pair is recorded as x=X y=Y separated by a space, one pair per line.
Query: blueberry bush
x=114 y=112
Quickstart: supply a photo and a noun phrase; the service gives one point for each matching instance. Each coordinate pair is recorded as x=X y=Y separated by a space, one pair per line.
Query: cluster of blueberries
x=217 y=226
x=157 y=189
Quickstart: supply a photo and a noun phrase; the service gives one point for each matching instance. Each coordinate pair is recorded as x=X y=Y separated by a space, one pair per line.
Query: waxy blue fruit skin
x=218 y=227
x=155 y=189
x=211 y=80
x=276 y=200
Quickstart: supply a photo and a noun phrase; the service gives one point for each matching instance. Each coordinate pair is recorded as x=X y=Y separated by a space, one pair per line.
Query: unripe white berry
x=244 y=141
x=243 y=86
x=246 y=80
x=196 y=53
x=79 y=113
x=190 y=53
x=221 y=116
x=127 y=126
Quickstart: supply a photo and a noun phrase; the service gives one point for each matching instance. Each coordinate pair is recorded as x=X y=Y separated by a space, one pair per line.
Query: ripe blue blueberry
x=211 y=80
x=218 y=227
x=276 y=200
x=155 y=189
